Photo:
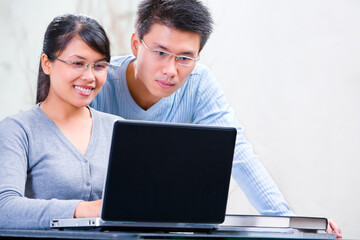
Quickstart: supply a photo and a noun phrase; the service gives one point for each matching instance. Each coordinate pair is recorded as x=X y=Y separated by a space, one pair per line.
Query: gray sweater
x=42 y=174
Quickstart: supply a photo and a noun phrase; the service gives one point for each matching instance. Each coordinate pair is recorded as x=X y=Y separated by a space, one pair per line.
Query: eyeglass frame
x=86 y=65
x=176 y=57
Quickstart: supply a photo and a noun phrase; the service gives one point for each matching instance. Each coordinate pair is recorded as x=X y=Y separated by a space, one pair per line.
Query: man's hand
x=88 y=209
x=333 y=228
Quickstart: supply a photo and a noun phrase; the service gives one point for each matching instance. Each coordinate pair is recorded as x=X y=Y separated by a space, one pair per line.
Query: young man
x=162 y=82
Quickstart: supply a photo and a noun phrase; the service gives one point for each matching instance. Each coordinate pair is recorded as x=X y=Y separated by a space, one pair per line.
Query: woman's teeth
x=85 y=90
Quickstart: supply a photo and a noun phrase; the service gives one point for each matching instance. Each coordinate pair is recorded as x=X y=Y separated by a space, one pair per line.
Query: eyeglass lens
x=82 y=65
x=179 y=59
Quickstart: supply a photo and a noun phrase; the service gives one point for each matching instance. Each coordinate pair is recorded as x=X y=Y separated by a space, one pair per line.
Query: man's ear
x=135 y=42
x=45 y=64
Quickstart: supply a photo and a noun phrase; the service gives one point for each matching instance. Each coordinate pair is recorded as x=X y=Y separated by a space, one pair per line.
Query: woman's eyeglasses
x=82 y=65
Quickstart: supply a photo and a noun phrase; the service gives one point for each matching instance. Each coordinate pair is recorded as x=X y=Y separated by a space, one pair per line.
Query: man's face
x=159 y=77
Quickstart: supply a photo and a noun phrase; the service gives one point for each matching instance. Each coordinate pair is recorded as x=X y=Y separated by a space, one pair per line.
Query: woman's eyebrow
x=78 y=56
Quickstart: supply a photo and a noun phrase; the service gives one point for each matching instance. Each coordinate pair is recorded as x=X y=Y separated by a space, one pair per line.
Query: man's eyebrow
x=189 y=53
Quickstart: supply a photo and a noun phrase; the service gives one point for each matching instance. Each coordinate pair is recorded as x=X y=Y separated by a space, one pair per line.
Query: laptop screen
x=161 y=172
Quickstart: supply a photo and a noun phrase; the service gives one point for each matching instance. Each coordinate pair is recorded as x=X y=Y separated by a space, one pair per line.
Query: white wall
x=290 y=69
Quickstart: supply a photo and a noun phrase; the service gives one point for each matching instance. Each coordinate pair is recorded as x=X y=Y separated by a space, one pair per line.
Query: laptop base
x=98 y=224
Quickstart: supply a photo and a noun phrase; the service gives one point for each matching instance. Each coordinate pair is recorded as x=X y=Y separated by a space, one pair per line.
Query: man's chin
x=165 y=95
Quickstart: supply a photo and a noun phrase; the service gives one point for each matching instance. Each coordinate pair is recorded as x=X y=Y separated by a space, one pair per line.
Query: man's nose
x=170 y=66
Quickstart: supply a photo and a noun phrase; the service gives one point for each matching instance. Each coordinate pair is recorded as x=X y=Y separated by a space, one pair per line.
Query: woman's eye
x=78 y=63
x=100 y=66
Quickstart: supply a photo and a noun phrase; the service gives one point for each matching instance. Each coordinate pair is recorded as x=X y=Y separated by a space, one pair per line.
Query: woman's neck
x=74 y=122
x=60 y=112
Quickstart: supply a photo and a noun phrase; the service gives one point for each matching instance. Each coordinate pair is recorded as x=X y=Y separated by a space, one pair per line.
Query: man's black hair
x=184 y=15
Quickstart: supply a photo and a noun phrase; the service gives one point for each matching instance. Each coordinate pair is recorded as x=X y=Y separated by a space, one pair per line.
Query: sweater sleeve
x=16 y=210
x=212 y=108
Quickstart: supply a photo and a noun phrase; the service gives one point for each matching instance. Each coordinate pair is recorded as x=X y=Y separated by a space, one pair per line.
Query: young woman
x=53 y=157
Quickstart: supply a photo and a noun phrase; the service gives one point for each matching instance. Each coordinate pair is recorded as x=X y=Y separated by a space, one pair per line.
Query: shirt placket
x=87 y=178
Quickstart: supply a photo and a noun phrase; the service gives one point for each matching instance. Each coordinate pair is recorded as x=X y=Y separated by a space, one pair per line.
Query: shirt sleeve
x=16 y=210
x=212 y=108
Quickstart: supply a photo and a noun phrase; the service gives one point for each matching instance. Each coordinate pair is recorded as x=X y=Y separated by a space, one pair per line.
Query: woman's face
x=68 y=85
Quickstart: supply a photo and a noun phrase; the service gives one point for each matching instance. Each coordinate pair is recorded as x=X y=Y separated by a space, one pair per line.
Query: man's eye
x=160 y=53
x=184 y=59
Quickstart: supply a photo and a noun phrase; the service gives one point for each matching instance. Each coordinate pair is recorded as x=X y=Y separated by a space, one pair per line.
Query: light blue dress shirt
x=200 y=101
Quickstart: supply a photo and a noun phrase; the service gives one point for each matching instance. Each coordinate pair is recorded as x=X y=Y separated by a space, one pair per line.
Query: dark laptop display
x=166 y=173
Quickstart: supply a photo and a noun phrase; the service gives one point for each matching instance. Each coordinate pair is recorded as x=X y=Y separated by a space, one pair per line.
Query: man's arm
x=212 y=108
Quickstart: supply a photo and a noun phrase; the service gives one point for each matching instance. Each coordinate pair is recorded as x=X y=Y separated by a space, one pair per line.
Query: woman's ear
x=45 y=64
x=135 y=41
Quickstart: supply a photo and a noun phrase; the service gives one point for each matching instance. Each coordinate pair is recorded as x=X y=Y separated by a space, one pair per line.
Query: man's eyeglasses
x=81 y=65
x=163 y=55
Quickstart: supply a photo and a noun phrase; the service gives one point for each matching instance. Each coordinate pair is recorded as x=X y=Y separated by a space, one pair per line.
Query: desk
x=242 y=233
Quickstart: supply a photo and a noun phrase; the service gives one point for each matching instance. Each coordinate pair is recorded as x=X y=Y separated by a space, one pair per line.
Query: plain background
x=289 y=68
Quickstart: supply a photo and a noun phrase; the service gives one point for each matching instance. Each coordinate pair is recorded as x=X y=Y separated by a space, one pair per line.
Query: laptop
x=164 y=176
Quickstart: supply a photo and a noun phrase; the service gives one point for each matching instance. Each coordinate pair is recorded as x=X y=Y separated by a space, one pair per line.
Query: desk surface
x=243 y=233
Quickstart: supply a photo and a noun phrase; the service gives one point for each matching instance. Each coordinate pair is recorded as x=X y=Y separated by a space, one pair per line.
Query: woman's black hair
x=59 y=33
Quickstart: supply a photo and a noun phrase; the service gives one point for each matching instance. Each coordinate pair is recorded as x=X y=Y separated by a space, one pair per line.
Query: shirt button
x=88 y=184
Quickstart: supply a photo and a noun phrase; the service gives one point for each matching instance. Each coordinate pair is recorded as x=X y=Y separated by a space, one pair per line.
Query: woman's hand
x=88 y=209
